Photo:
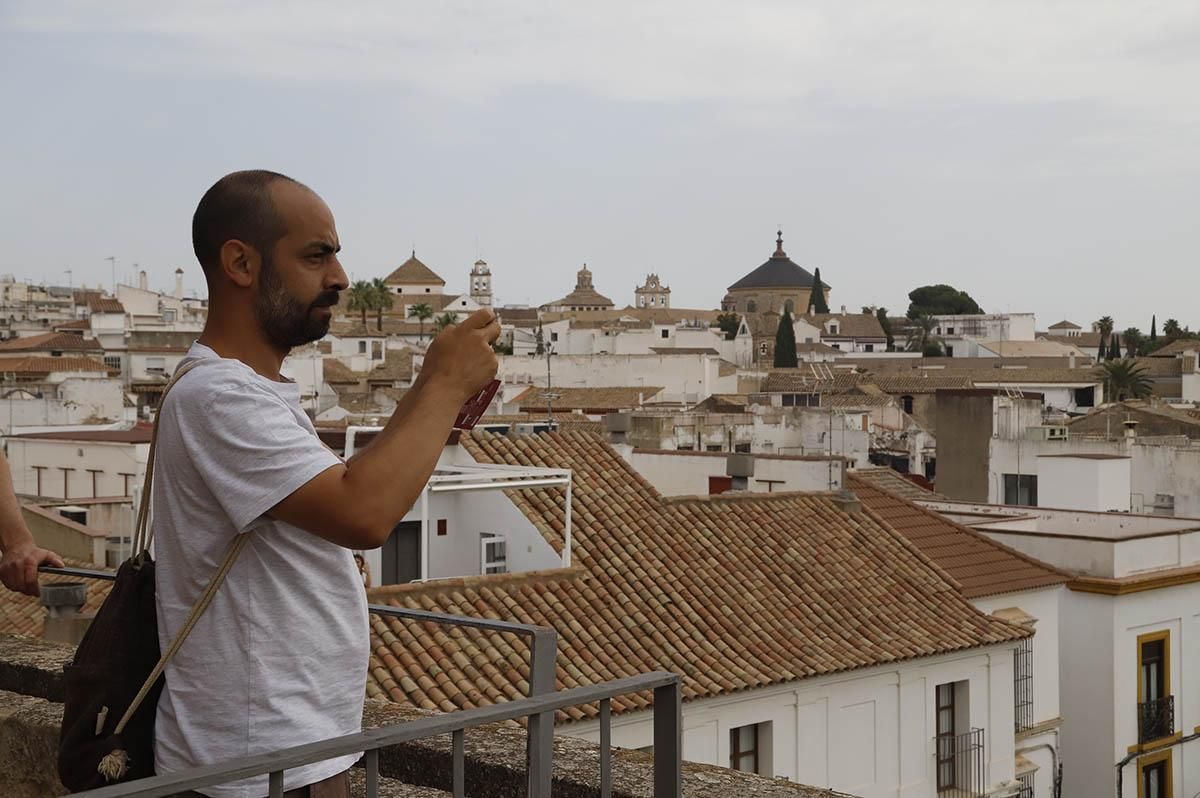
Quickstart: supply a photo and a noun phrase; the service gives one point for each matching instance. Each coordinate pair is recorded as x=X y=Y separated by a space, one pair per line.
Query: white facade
x=152 y=310
x=1165 y=475
x=961 y=332
x=684 y=378
x=867 y=732
x=71 y=400
x=1095 y=483
x=688 y=473
x=75 y=469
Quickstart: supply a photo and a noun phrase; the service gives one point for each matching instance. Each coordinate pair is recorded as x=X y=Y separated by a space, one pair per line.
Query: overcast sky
x=1043 y=156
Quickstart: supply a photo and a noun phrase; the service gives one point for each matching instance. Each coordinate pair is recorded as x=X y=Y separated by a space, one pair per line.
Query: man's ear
x=239 y=262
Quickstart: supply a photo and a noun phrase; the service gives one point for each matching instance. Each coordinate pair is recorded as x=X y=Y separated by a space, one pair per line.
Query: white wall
x=73 y=401
x=867 y=732
x=691 y=376
x=1088 y=704
x=687 y=473
x=1084 y=483
x=110 y=458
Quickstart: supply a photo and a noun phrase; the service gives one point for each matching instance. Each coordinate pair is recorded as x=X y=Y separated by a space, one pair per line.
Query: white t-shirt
x=280 y=656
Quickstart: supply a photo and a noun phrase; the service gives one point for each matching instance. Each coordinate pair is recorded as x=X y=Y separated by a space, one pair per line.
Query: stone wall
x=30 y=716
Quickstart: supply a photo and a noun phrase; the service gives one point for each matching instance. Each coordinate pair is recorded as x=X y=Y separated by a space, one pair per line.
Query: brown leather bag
x=114 y=681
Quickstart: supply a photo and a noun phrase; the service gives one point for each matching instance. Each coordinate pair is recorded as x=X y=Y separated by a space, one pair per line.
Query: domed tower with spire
x=481 y=284
x=777 y=285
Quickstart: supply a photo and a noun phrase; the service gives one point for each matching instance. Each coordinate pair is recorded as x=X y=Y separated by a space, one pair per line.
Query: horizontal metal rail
x=543 y=654
x=666 y=740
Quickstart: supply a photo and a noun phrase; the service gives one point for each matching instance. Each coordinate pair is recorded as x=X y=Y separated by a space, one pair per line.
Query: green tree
x=941 y=299
x=1114 y=347
x=361 y=298
x=816 y=300
x=1124 y=379
x=921 y=337
x=1171 y=329
x=1135 y=342
x=502 y=348
x=1154 y=329
x=539 y=339
x=422 y=313
x=1102 y=354
x=729 y=323
x=443 y=321
x=785 y=343
x=886 y=324
x=1104 y=325
x=383 y=300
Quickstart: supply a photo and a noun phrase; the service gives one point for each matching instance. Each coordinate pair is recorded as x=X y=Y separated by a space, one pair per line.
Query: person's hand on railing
x=19 y=566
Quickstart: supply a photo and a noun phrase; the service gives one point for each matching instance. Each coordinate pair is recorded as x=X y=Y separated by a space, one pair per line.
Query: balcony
x=960 y=765
x=1156 y=719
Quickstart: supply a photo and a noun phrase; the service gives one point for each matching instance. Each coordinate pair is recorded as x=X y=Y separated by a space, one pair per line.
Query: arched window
x=789 y=306
x=751 y=306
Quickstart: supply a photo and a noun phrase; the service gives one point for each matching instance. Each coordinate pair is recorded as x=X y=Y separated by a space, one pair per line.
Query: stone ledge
x=30 y=716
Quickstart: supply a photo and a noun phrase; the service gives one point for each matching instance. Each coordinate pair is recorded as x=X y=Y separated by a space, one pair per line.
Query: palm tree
x=1171 y=329
x=362 y=298
x=443 y=321
x=422 y=313
x=1104 y=325
x=921 y=337
x=1125 y=379
x=383 y=300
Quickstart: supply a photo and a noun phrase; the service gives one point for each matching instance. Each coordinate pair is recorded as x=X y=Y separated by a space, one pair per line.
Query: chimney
x=143 y=283
x=1130 y=429
x=179 y=283
x=843 y=310
x=739 y=467
x=65 y=623
x=847 y=502
x=617 y=425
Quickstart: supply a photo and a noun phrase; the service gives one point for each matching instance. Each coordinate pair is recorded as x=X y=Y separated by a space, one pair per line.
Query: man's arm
x=357 y=505
x=18 y=567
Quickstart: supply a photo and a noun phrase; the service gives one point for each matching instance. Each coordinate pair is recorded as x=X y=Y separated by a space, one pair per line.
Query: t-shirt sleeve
x=250 y=450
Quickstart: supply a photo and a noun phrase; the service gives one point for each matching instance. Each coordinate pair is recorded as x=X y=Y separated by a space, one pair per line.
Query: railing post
x=668 y=740
x=543 y=653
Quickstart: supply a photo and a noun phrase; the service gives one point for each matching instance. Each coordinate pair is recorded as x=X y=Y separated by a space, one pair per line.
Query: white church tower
x=481 y=284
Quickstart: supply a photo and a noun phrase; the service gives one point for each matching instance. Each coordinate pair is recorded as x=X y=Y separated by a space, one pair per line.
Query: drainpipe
x=1054 y=763
x=1130 y=757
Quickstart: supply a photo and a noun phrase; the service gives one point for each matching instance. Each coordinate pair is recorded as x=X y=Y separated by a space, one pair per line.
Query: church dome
x=778 y=272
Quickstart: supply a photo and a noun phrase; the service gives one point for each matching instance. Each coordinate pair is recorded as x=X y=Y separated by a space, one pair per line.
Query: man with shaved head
x=280 y=656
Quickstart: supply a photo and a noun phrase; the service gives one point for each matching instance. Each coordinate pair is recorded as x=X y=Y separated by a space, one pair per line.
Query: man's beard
x=286 y=321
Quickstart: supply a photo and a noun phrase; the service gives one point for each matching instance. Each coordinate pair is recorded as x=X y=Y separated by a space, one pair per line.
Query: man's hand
x=461 y=359
x=18 y=568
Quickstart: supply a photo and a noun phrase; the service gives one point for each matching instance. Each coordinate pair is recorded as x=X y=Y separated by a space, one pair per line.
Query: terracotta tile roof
x=1160 y=366
x=892 y=481
x=47 y=365
x=413 y=271
x=397 y=366
x=1040 y=348
x=1034 y=375
x=595 y=400
x=51 y=340
x=850 y=325
x=731 y=592
x=855 y=400
x=922 y=381
x=981 y=566
x=684 y=350
x=103 y=304
x=335 y=371
x=1176 y=348
x=78 y=324
x=1088 y=340
x=24 y=615
x=806 y=379
x=1065 y=325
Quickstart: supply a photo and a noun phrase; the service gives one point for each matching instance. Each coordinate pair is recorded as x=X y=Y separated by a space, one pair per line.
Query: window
x=762 y=349
x=833 y=328
x=1156 y=706
x=949 y=351
x=802 y=400
x=156 y=365
x=789 y=306
x=427 y=290
x=743 y=448
x=1155 y=779
x=712 y=447
x=947 y=731
x=751 y=306
x=666 y=333
x=112 y=361
x=1020 y=489
x=1023 y=684
x=868 y=347
x=907 y=403
x=377 y=350
x=168 y=315
x=553 y=336
x=748 y=748
x=949 y=331
x=362 y=347
x=493 y=555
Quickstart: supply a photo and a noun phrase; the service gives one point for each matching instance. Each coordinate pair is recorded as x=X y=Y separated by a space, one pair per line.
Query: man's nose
x=336 y=280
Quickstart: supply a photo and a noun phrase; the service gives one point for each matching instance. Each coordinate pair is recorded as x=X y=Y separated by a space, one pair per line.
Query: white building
x=684 y=377
x=962 y=333
x=79 y=464
x=51 y=391
x=1130 y=656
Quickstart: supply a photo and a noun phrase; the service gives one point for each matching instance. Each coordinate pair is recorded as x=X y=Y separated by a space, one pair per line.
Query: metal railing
x=1027 y=784
x=667 y=744
x=543 y=653
x=1023 y=685
x=1156 y=719
x=960 y=765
